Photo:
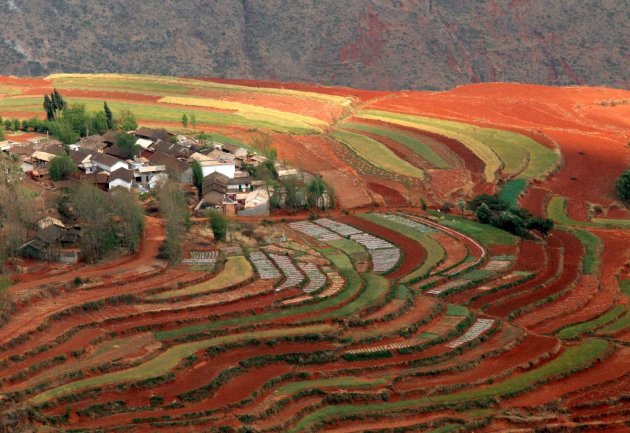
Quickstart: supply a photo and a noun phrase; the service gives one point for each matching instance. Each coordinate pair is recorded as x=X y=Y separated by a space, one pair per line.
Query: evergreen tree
x=193 y=121
x=48 y=106
x=197 y=173
x=185 y=121
x=109 y=115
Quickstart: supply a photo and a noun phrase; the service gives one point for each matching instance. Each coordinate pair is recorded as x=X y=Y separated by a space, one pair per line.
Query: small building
x=122 y=178
x=212 y=166
x=108 y=162
x=176 y=168
x=83 y=160
x=237 y=151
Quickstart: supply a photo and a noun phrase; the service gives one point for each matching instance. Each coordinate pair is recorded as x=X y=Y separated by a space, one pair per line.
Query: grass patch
x=456 y=310
x=477 y=274
x=237 y=270
x=412 y=143
x=573 y=359
x=625 y=286
x=401 y=292
x=622 y=323
x=377 y=154
x=336 y=382
x=350 y=247
x=512 y=190
x=592 y=245
x=168 y=360
x=575 y=330
x=484 y=233
x=376 y=287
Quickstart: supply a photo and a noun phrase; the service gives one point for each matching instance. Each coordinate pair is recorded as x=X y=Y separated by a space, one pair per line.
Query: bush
x=622 y=187
x=490 y=209
x=219 y=225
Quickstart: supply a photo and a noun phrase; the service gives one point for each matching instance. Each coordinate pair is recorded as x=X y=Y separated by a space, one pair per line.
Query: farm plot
x=338 y=227
x=236 y=271
x=377 y=154
x=201 y=258
x=314 y=230
x=316 y=279
x=293 y=275
x=479 y=327
x=264 y=267
x=407 y=140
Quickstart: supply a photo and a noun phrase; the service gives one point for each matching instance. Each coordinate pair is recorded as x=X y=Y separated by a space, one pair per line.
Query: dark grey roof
x=123 y=174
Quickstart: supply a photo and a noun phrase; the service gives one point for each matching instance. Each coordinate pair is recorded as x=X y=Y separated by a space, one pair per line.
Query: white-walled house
x=108 y=162
x=121 y=178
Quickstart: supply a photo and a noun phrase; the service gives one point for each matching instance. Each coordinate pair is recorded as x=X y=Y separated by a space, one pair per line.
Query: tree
x=193 y=121
x=316 y=189
x=131 y=218
x=63 y=131
x=8 y=125
x=16 y=124
x=127 y=143
x=109 y=115
x=622 y=187
x=127 y=121
x=197 y=173
x=185 y=121
x=461 y=205
x=219 y=225
x=99 y=123
x=77 y=118
x=50 y=110
x=98 y=230
x=172 y=203
x=61 y=167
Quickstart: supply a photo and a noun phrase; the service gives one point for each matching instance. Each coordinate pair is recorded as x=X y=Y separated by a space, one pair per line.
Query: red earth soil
x=391 y=197
x=590 y=132
x=615 y=366
x=413 y=254
x=530 y=350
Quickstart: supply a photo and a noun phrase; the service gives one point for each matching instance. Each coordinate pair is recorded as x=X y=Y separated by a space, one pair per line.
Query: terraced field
x=382 y=319
x=439 y=341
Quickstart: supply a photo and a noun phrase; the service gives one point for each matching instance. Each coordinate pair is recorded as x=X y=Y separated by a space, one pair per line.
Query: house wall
x=226 y=169
x=119 y=182
x=119 y=164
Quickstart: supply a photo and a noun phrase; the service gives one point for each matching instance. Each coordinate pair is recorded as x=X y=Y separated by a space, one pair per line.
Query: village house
x=177 y=169
x=108 y=162
x=121 y=177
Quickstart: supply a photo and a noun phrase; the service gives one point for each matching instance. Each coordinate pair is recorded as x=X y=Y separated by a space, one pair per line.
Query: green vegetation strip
x=336 y=382
x=376 y=287
x=352 y=286
x=167 y=113
x=408 y=141
x=512 y=190
x=349 y=247
x=236 y=271
x=484 y=233
x=456 y=310
x=621 y=324
x=592 y=245
x=512 y=149
x=168 y=360
x=435 y=252
x=575 y=330
x=377 y=154
x=557 y=211
x=573 y=359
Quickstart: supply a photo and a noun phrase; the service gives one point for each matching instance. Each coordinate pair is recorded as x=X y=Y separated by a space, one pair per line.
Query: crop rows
x=250 y=356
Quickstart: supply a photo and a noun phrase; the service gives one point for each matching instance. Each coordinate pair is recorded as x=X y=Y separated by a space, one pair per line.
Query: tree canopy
x=61 y=167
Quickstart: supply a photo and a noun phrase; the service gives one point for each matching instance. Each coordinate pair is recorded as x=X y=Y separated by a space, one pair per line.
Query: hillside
x=380 y=316
x=404 y=44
